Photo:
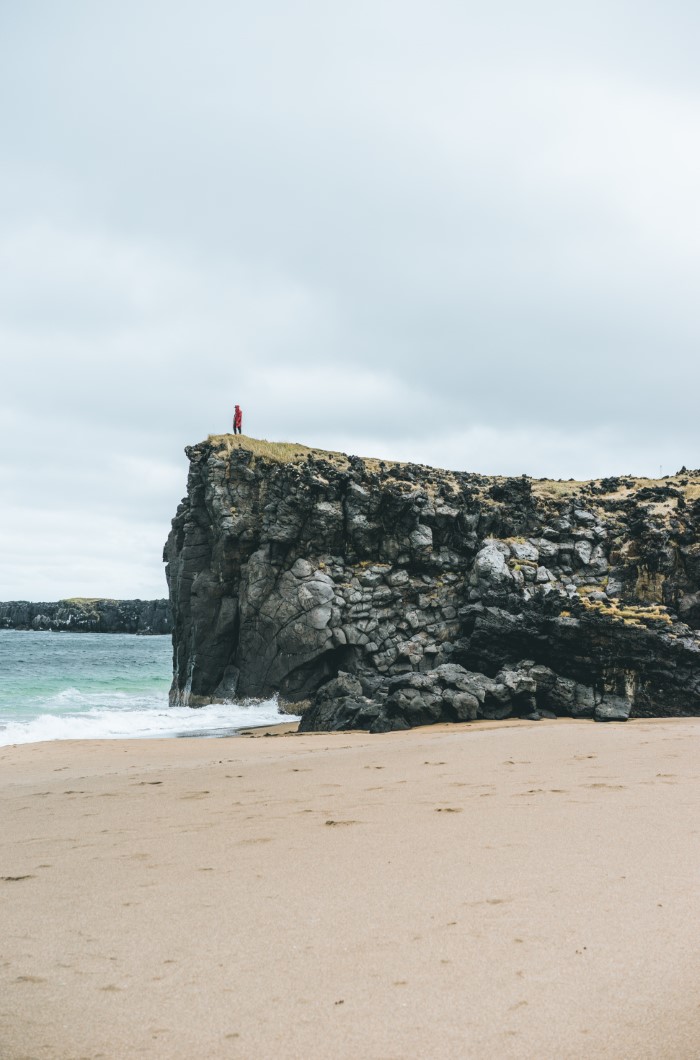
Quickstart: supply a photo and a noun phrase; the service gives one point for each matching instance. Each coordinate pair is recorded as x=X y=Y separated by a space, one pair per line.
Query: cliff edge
x=383 y=596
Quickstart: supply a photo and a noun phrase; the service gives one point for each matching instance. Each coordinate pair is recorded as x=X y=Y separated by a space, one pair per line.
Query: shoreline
x=455 y=890
x=290 y=728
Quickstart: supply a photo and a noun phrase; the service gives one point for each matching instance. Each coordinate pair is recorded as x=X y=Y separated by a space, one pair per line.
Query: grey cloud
x=447 y=232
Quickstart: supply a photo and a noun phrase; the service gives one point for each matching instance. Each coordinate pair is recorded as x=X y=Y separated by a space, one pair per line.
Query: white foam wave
x=77 y=699
x=66 y=695
x=143 y=719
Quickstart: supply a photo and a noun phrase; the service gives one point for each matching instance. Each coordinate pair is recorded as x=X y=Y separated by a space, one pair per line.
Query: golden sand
x=525 y=890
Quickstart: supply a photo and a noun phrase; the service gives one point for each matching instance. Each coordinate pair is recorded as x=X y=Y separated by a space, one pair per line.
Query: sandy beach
x=493 y=890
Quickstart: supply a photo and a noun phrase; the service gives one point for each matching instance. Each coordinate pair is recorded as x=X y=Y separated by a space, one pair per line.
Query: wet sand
x=505 y=890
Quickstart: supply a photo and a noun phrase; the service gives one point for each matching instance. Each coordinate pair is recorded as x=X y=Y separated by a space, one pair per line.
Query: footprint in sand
x=489 y=901
x=608 y=787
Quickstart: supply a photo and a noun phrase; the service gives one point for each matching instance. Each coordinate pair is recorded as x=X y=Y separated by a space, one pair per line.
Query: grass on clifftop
x=81 y=601
x=294 y=453
x=554 y=489
x=281 y=452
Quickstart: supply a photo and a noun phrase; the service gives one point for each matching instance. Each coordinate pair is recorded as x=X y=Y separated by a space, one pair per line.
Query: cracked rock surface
x=382 y=596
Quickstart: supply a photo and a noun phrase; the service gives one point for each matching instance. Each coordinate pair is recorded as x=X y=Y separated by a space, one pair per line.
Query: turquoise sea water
x=71 y=686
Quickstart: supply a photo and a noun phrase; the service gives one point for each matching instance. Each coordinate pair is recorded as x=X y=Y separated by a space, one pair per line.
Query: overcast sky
x=460 y=233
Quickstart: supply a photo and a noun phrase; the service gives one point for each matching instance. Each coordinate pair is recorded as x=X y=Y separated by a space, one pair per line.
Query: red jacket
x=237 y=417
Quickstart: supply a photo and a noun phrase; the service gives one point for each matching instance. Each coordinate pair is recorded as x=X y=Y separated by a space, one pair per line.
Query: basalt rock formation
x=383 y=596
x=148 y=617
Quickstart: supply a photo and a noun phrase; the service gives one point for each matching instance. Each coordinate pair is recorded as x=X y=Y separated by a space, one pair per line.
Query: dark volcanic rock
x=150 y=617
x=385 y=597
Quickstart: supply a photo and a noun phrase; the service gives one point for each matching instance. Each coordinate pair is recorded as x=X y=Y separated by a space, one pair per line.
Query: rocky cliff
x=383 y=596
x=88 y=616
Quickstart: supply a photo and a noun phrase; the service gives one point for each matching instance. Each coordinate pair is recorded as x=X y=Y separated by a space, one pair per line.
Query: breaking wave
x=73 y=715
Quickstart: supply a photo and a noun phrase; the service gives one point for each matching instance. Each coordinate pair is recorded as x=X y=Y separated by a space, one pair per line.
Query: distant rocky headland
x=148 y=617
x=382 y=596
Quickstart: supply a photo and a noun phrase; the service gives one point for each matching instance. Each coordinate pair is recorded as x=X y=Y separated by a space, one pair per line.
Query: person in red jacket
x=237 y=420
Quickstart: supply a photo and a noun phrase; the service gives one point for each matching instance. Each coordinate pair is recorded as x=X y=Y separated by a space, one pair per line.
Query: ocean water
x=96 y=686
